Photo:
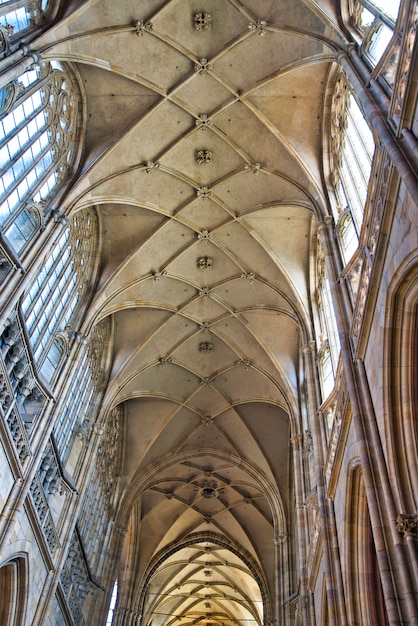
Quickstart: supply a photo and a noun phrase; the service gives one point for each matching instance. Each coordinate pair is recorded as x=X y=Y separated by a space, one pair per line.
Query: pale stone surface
x=202 y=468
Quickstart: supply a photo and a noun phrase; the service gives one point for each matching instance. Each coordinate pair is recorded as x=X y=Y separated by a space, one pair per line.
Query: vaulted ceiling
x=202 y=153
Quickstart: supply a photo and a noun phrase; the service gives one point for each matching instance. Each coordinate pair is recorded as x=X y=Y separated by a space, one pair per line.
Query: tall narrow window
x=19 y=17
x=328 y=340
x=375 y=22
x=49 y=305
x=112 y=604
x=97 y=508
x=38 y=136
x=78 y=410
x=352 y=148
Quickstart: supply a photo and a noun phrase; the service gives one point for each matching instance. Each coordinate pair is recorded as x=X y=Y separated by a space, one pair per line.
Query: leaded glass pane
x=50 y=303
x=36 y=145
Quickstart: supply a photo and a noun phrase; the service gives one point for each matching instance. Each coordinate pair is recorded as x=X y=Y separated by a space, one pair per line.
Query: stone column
x=332 y=589
x=374 y=469
x=302 y=523
x=377 y=116
x=281 y=582
x=12 y=72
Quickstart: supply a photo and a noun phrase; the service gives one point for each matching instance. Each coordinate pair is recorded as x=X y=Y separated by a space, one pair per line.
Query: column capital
x=407 y=523
x=280 y=540
x=309 y=348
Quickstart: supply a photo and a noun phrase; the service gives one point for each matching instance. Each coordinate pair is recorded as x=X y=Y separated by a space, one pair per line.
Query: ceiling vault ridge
x=212 y=538
x=82 y=201
x=194 y=505
x=172 y=361
x=141 y=481
x=110 y=309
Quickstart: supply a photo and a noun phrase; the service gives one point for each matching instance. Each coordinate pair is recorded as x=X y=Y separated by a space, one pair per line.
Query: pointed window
x=19 y=18
x=49 y=305
x=38 y=135
x=84 y=392
x=97 y=509
x=327 y=333
x=374 y=21
x=352 y=148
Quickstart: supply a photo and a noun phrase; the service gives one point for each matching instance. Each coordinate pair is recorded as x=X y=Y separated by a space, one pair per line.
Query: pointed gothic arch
x=365 y=602
x=14 y=583
x=400 y=385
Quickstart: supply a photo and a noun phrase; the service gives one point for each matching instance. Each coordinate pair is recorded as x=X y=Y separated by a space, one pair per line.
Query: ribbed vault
x=203 y=160
x=215 y=582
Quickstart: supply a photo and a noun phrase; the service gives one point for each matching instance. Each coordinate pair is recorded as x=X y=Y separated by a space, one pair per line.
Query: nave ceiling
x=203 y=152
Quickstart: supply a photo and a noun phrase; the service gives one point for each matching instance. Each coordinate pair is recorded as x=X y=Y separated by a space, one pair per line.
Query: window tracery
x=22 y=398
x=18 y=17
x=328 y=340
x=352 y=148
x=49 y=305
x=374 y=21
x=83 y=394
x=38 y=125
x=96 y=512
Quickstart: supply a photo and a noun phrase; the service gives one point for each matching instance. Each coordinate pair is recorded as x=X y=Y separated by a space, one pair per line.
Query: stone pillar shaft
x=13 y=72
x=332 y=592
x=374 y=469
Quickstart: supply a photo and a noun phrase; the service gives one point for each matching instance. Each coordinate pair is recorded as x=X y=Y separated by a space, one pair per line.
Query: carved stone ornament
x=163 y=360
x=204 y=236
x=205 y=291
x=204 y=156
x=156 y=275
x=204 y=263
x=405 y=63
x=203 y=121
x=205 y=347
x=361 y=297
x=59 y=218
x=252 y=167
x=308 y=441
x=11 y=91
x=259 y=27
x=250 y=276
x=202 y=21
x=204 y=193
x=202 y=66
x=151 y=165
x=407 y=523
x=9 y=29
x=142 y=27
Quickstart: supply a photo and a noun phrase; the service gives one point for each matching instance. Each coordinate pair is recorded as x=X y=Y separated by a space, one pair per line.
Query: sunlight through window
x=112 y=604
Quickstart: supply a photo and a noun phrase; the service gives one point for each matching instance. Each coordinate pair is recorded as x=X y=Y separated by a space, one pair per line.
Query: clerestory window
x=78 y=411
x=97 y=506
x=20 y=17
x=39 y=124
x=49 y=305
x=327 y=333
x=112 y=604
x=375 y=22
x=352 y=148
